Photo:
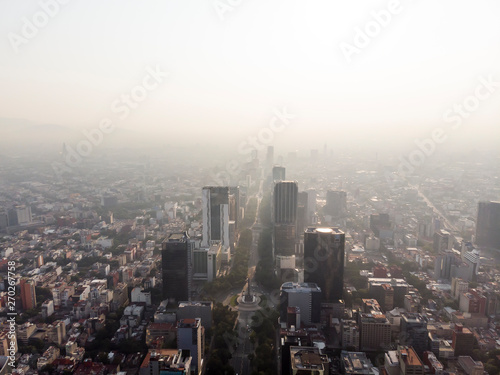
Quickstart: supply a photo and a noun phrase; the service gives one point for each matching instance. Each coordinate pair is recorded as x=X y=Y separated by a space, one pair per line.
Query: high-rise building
x=284 y=239
x=381 y=225
x=285 y=202
x=221 y=205
x=443 y=240
x=234 y=205
x=311 y=204
x=413 y=332
x=443 y=264
x=336 y=203
x=109 y=200
x=462 y=340
x=269 y=158
x=23 y=214
x=215 y=201
x=458 y=286
x=488 y=225
x=4 y=220
x=207 y=262
x=324 y=261
x=285 y=195
x=279 y=173
x=177 y=267
x=302 y=209
x=190 y=336
x=28 y=295
x=305 y=296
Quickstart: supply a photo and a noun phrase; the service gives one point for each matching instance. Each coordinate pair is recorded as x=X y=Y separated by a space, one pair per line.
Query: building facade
x=324 y=261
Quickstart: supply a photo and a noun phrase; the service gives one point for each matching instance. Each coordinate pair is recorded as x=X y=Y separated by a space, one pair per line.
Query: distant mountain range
x=20 y=137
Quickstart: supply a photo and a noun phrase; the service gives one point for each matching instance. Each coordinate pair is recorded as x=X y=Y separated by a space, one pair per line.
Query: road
x=240 y=361
x=447 y=223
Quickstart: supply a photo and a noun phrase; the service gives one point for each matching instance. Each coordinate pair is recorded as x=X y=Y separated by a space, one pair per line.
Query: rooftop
x=307 y=358
x=408 y=355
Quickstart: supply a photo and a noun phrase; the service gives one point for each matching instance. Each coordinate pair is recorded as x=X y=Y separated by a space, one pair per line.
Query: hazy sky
x=229 y=70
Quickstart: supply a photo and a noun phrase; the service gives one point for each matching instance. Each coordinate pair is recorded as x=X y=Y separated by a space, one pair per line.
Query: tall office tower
x=443 y=264
x=284 y=217
x=269 y=159
x=285 y=202
x=109 y=200
x=462 y=340
x=12 y=217
x=220 y=207
x=443 y=240
x=311 y=204
x=380 y=224
x=4 y=220
x=336 y=203
x=176 y=267
x=28 y=295
x=324 y=261
x=279 y=173
x=413 y=332
x=488 y=225
x=234 y=205
x=284 y=239
x=23 y=214
x=190 y=336
x=305 y=296
x=302 y=221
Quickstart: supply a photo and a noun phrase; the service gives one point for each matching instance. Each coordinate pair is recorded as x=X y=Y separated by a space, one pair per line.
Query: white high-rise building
x=23 y=214
x=215 y=202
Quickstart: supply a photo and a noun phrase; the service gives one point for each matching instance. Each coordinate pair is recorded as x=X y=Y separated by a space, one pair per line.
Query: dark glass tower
x=324 y=261
x=488 y=225
x=336 y=203
x=176 y=267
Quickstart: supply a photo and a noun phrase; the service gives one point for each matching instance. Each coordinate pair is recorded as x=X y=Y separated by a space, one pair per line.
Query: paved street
x=240 y=361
